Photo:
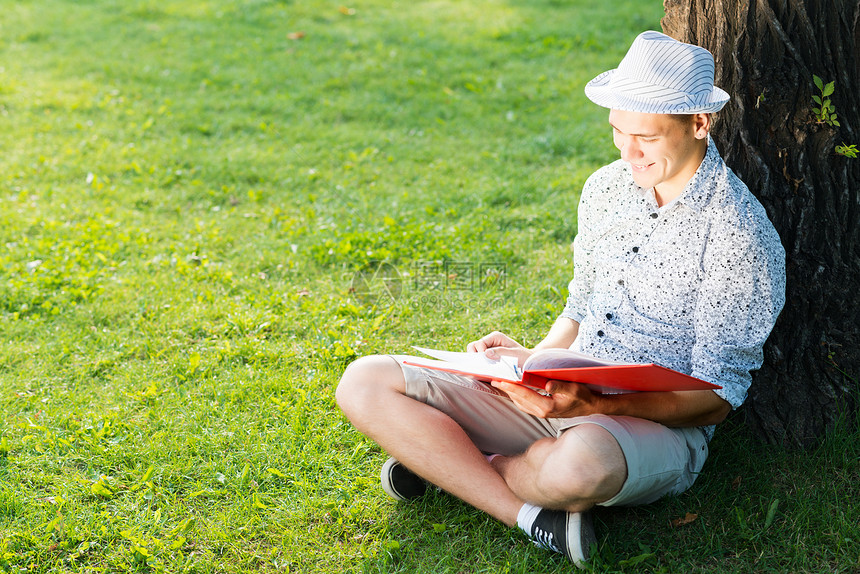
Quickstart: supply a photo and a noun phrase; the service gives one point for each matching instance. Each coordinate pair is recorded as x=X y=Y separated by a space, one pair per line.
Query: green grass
x=189 y=194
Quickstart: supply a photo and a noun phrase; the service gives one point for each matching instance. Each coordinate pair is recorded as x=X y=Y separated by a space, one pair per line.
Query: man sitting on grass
x=675 y=263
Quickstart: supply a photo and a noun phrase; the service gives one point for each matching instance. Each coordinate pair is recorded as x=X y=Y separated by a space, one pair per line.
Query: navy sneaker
x=399 y=482
x=568 y=533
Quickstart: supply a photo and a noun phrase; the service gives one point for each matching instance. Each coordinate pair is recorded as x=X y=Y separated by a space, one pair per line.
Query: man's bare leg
x=427 y=441
x=573 y=472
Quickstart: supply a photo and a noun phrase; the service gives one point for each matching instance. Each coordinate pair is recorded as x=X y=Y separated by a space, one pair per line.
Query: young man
x=675 y=263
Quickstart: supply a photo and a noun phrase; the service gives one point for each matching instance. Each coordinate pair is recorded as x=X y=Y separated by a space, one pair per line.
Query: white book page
x=479 y=363
x=563 y=358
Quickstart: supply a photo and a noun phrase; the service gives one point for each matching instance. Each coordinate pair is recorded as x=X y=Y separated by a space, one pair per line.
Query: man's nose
x=630 y=150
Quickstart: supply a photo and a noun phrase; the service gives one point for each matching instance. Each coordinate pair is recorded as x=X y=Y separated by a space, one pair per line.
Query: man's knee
x=364 y=380
x=586 y=464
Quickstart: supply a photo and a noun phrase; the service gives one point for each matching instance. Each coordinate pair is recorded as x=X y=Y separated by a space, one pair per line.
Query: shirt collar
x=701 y=187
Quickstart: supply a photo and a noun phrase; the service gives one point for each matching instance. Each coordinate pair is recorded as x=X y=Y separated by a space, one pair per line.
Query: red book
x=603 y=377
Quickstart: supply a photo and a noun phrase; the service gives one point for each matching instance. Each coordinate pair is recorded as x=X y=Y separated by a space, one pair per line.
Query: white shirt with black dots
x=695 y=285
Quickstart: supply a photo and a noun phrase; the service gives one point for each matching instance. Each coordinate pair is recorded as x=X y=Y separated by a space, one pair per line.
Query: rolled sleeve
x=740 y=299
x=581 y=286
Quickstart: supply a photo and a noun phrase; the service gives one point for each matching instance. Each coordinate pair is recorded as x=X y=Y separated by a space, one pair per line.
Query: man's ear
x=701 y=125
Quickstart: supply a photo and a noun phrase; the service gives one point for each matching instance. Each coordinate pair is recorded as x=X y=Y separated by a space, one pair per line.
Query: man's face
x=664 y=152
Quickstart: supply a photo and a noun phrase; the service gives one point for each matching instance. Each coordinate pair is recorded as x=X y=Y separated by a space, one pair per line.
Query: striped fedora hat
x=660 y=75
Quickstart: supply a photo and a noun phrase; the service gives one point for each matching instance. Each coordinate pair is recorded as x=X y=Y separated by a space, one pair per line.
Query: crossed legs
x=573 y=472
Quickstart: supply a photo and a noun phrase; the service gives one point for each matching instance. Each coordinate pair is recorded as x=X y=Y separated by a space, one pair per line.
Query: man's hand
x=496 y=345
x=562 y=399
x=669 y=408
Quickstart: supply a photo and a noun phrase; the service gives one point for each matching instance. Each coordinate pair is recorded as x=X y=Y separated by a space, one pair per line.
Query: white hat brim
x=601 y=93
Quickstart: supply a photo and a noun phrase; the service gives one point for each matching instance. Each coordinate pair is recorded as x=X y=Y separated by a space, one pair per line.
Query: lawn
x=209 y=207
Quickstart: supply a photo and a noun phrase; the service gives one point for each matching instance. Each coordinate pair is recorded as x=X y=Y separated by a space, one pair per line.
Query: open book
x=605 y=377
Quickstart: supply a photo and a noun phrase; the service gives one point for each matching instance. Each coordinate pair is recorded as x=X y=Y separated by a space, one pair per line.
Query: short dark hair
x=683 y=118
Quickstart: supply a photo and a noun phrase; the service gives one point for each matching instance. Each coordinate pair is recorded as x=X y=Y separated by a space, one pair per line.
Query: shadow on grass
x=440 y=533
x=750 y=511
x=755 y=508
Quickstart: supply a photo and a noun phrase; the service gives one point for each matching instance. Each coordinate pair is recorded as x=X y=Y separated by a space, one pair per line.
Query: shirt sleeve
x=582 y=284
x=740 y=298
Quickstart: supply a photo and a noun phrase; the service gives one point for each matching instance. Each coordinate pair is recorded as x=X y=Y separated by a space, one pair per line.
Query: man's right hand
x=496 y=345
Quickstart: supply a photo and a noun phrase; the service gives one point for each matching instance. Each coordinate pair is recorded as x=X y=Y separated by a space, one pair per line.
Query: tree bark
x=766 y=53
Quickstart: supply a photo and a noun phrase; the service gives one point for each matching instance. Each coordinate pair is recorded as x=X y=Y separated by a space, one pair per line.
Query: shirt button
x=621 y=281
x=609 y=316
x=600 y=333
x=654 y=216
x=635 y=250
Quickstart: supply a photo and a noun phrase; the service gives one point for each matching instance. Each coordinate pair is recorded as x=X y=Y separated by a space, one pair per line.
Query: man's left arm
x=672 y=409
x=740 y=297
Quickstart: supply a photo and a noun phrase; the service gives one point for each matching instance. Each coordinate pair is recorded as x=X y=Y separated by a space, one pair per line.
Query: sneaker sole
x=386 y=476
x=579 y=547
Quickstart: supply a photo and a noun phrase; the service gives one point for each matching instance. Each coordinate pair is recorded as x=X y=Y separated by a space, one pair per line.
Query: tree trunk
x=766 y=53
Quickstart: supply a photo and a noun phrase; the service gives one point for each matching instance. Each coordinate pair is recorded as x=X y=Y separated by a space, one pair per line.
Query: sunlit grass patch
x=195 y=200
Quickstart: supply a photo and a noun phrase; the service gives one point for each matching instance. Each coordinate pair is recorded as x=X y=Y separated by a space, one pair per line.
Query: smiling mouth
x=637 y=167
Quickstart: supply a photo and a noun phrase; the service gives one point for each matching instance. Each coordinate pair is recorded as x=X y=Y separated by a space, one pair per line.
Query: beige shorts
x=660 y=460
